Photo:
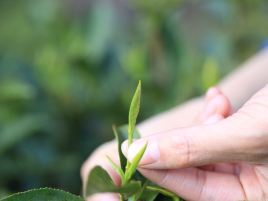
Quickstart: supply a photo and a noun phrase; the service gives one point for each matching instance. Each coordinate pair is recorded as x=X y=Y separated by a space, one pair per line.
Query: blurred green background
x=68 y=69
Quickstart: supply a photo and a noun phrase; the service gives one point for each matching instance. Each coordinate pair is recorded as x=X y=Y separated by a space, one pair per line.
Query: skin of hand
x=241 y=84
x=181 y=160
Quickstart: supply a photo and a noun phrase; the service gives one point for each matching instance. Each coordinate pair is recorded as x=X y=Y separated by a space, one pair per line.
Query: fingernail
x=151 y=154
x=213 y=119
x=124 y=147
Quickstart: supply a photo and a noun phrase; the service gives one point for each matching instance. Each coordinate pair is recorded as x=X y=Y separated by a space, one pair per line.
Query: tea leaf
x=149 y=195
x=133 y=112
x=134 y=164
x=43 y=194
x=99 y=181
x=117 y=169
x=119 y=138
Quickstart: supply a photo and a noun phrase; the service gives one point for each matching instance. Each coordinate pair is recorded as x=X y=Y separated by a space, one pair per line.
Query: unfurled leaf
x=133 y=112
x=134 y=164
x=45 y=194
x=99 y=181
x=119 y=138
x=117 y=169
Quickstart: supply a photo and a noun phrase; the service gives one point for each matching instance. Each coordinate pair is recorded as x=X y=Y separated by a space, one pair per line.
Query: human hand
x=227 y=160
x=184 y=115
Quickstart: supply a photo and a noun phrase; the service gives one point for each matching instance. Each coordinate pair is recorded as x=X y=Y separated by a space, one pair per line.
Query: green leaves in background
x=45 y=194
x=19 y=130
x=210 y=73
x=12 y=89
x=133 y=112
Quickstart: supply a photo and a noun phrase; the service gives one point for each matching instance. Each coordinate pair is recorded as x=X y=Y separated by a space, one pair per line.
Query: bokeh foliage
x=68 y=69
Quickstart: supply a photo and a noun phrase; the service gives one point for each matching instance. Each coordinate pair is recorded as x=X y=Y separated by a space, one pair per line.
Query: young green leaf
x=120 y=139
x=99 y=181
x=134 y=164
x=43 y=194
x=117 y=169
x=133 y=112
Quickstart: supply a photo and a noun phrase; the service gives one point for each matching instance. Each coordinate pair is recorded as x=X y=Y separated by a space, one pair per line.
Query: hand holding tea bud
x=213 y=96
x=169 y=119
x=230 y=153
x=222 y=160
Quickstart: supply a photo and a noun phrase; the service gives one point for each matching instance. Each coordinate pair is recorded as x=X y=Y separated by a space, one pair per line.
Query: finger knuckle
x=183 y=147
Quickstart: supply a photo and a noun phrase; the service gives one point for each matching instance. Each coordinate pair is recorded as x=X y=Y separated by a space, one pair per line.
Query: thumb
x=196 y=146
